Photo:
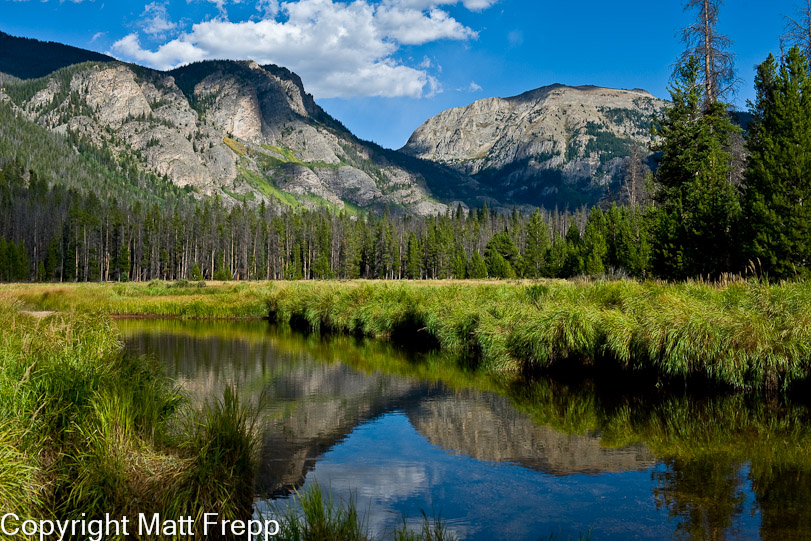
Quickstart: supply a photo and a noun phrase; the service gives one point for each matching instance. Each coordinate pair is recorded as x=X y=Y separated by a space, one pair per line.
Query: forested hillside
x=59 y=234
x=237 y=130
x=26 y=58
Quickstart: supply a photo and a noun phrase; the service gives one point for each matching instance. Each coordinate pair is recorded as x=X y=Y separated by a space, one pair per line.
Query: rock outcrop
x=544 y=146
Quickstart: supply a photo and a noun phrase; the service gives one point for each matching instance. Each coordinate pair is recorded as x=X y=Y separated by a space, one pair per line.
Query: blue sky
x=383 y=67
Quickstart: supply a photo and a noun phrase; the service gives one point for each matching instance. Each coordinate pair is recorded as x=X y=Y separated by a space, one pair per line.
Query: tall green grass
x=745 y=335
x=315 y=515
x=222 y=451
x=87 y=429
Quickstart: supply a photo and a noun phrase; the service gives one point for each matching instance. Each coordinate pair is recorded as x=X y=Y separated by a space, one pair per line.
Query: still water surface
x=404 y=433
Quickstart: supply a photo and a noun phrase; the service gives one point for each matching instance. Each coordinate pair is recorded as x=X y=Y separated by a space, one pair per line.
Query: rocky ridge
x=234 y=129
x=545 y=146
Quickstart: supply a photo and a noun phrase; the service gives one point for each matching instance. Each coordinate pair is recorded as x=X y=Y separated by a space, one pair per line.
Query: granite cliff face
x=234 y=129
x=553 y=145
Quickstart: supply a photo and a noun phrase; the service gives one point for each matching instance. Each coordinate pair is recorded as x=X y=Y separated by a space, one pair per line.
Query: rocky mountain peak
x=543 y=146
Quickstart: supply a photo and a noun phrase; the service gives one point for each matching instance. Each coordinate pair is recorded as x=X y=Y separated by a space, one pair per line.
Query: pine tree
x=502 y=256
x=594 y=243
x=413 y=257
x=710 y=49
x=798 y=29
x=5 y=270
x=573 y=263
x=778 y=175
x=477 y=269
x=538 y=245
x=698 y=205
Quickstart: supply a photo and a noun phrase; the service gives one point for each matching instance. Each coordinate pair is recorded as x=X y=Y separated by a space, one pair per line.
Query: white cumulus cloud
x=339 y=49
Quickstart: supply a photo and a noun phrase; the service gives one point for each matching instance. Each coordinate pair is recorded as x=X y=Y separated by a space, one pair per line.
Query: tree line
x=53 y=233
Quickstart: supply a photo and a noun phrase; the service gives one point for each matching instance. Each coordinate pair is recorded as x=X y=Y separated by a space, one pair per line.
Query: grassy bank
x=745 y=335
x=87 y=429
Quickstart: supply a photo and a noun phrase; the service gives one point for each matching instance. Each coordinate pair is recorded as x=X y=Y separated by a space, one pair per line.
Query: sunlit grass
x=745 y=335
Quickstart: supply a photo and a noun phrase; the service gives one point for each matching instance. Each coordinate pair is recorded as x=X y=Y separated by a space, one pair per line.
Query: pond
x=405 y=433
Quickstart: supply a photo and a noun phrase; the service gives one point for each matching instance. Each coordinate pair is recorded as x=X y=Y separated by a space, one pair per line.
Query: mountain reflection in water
x=499 y=460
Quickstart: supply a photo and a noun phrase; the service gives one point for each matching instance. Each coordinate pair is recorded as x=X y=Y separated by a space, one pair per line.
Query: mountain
x=250 y=132
x=234 y=129
x=556 y=145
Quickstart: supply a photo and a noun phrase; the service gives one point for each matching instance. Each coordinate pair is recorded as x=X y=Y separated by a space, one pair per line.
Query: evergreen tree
x=500 y=250
x=538 y=245
x=460 y=266
x=778 y=176
x=413 y=257
x=477 y=269
x=573 y=263
x=699 y=206
x=595 y=244
x=5 y=267
x=499 y=267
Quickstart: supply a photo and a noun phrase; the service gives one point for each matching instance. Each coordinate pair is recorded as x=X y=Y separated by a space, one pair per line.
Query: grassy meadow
x=744 y=335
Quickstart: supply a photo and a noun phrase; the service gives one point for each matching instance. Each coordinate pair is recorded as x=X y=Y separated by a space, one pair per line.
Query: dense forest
x=71 y=212
x=58 y=234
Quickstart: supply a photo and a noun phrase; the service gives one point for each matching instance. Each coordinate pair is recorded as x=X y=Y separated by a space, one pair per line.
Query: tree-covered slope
x=27 y=58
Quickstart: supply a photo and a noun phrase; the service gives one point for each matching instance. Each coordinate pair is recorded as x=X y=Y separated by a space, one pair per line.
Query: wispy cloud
x=472 y=87
x=155 y=20
x=516 y=38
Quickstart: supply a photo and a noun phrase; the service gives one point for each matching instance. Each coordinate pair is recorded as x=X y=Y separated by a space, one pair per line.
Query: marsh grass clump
x=85 y=428
x=315 y=515
x=321 y=518
x=430 y=530
x=222 y=452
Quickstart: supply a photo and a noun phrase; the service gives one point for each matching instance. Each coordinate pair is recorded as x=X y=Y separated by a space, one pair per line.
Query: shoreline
x=745 y=335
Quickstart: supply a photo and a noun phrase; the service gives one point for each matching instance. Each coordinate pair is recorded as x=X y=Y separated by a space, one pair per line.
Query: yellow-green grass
x=235 y=145
x=745 y=335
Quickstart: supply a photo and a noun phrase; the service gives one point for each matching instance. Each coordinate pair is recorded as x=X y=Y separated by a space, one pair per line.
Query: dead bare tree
x=798 y=30
x=633 y=183
x=711 y=48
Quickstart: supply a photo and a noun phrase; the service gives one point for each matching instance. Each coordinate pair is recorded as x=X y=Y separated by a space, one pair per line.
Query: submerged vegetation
x=88 y=429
